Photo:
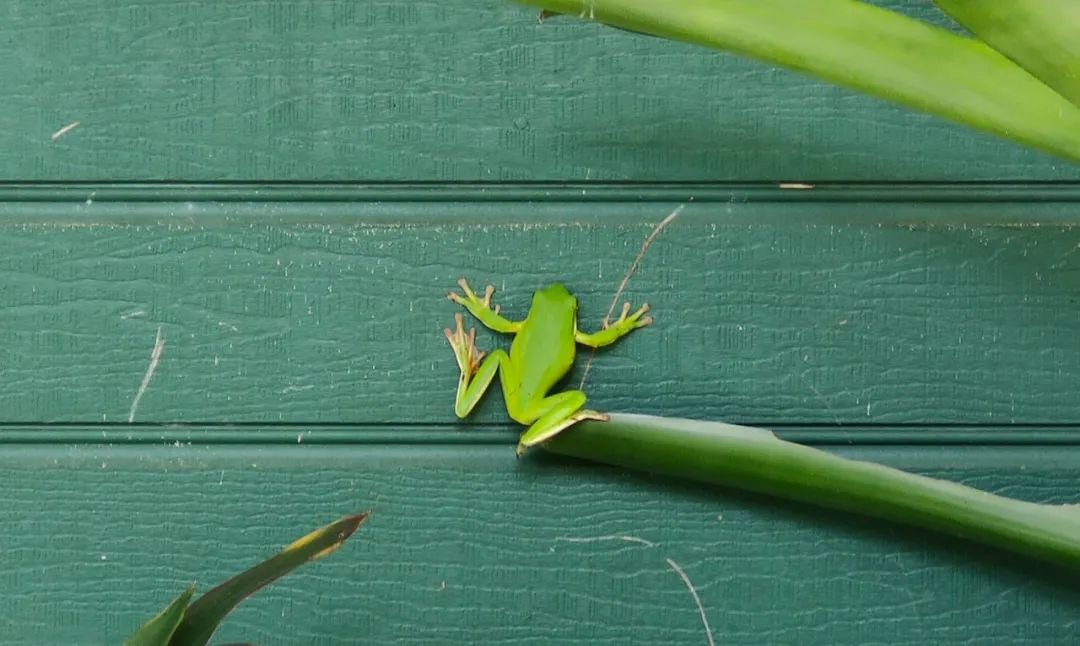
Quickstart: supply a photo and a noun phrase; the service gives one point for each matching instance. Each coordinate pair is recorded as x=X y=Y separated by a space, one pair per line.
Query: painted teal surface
x=777 y=309
x=467 y=545
x=303 y=375
x=303 y=372
x=408 y=90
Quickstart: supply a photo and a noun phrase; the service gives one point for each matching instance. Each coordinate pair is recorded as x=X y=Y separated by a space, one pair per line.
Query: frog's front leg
x=625 y=324
x=553 y=414
x=481 y=308
x=476 y=376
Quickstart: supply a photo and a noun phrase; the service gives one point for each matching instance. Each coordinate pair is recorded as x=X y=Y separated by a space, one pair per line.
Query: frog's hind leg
x=476 y=375
x=560 y=411
x=470 y=390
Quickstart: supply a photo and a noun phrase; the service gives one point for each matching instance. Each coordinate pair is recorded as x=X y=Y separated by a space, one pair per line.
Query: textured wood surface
x=303 y=373
x=420 y=89
x=467 y=545
x=817 y=310
x=279 y=310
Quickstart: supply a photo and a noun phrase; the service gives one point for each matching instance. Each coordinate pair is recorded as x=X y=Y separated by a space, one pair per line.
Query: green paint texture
x=301 y=371
x=397 y=90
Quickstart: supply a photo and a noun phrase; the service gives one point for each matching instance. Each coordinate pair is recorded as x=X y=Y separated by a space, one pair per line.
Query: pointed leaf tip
x=338 y=532
x=203 y=616
x=159 y=629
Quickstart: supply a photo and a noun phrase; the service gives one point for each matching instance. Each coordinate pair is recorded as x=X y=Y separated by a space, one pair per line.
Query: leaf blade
x=1042 y=36
x=203 y=616
x=756 y=460
x=160 y=628
x=874 y=50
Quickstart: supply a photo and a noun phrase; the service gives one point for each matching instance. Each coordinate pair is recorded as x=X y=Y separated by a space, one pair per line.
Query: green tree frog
x=541 y=354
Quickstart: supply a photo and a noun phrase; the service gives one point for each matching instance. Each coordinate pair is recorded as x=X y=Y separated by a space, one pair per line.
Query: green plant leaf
x=1042 y=36
x=203 y=616
x=160 y=629
x=856 y=44
x=756 y=460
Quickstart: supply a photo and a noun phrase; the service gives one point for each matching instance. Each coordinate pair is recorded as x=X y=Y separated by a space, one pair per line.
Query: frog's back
x=544 y=348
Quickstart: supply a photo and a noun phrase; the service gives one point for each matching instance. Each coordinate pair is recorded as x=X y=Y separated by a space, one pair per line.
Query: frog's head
x=555 y=297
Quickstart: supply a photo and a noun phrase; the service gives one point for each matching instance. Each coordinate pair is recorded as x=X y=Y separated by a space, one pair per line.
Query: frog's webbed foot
x=481 y=308
x=464 y=344
x=630 y=321
x=613 y=331
x=470 y=297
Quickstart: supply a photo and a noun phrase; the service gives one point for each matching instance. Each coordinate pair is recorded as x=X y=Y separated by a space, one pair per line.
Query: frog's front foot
x=464 y=345
x=630 y=321
x=470 y=296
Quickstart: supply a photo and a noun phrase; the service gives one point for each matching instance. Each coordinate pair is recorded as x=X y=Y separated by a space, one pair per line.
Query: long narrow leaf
x=756 y=460
x=859 y=45
x=1043 y=36
x=203 y=616
x=159 y=630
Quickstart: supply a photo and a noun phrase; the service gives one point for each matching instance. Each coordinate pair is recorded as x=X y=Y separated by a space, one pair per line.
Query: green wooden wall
x=282 y=194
